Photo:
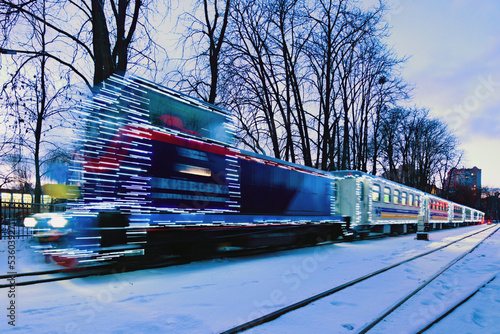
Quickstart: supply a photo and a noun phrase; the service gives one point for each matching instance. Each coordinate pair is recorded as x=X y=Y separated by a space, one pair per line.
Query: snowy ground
x=211 y=296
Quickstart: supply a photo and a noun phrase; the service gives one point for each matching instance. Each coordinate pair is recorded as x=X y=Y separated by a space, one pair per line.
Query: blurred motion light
x=58 y=222
x=29 y=222
x=193 y=170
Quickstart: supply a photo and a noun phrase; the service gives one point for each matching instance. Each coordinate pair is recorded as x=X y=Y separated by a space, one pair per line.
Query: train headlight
x=29 y=222
x=58 y=222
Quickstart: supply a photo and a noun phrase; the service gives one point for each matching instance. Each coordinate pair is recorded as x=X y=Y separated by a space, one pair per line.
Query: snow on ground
x=481 y=314
x=208 y=296
x=349 y=310
x=454 y=285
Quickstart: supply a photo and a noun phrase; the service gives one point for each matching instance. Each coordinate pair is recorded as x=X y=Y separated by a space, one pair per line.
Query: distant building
x=469 y=178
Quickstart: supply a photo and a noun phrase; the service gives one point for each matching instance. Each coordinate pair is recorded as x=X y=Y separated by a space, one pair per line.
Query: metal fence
x=13 y=213
x=9 y=231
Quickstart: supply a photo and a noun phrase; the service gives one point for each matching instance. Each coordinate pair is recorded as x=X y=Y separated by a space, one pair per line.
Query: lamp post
x=381 y=81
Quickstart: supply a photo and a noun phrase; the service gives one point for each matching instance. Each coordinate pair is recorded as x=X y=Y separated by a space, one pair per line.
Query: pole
x=423 y=219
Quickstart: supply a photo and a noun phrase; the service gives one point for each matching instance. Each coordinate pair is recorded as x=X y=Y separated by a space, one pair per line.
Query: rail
x=280 y=312
x=372 y=324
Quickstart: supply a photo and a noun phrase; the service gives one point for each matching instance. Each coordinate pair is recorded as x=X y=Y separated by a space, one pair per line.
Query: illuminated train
x=159 y=175
x=375 y=204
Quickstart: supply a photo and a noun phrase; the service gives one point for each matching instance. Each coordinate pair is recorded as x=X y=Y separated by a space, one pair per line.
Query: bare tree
x=209 y=33
x=108 y=37
x=251 y=76
x=416 y=149
x=7 y=151
x=350 y=65
x=34 y=100
x=298 y=75
x=57 y=41
x=490 y=203
x=314 y=83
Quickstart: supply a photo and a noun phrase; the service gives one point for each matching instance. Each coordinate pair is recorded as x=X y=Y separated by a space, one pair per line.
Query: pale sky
x=454 y=47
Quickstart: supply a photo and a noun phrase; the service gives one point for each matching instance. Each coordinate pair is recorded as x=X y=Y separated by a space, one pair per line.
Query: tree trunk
x=103 y=62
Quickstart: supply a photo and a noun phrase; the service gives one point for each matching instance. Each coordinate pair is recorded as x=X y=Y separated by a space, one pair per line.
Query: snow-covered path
x=441 y=295
x=481 y=314
x=204 y=297
x=351 y=309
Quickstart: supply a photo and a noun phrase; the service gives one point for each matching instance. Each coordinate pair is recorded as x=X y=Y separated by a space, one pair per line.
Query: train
x=159 y=175
x=377 y=205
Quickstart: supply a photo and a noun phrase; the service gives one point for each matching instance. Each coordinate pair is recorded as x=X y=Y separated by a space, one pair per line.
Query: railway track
x=458 y=304
x=39 y=277
x=71 y=273
x=414 y=293
x=120 y=267
x=48 y=276
x=354 y=283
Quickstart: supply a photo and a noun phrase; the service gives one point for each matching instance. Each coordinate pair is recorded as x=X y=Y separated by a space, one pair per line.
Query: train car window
x=376 y=193
x=395 y=196
x=403 y=198
x=387 y=195
x=410 y=200
x=417 y=201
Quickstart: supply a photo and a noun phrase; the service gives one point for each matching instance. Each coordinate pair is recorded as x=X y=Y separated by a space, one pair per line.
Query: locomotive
x=159 y=175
